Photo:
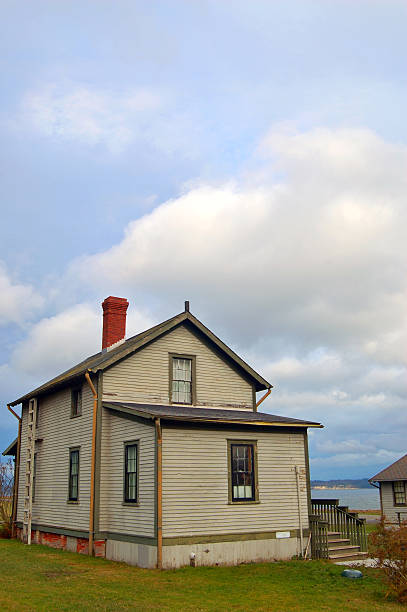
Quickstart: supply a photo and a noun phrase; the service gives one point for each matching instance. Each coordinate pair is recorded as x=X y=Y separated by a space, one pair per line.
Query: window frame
x=403 y=482
x=70 y=499
x=192 y=358
x=127 y=501
x=255 y=498
x=74 y=391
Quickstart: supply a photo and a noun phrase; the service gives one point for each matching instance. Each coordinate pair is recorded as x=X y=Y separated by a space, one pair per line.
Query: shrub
x=389 y=546
x=6 y=496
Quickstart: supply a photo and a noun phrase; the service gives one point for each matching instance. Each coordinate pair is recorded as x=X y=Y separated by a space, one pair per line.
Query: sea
x=356 y=499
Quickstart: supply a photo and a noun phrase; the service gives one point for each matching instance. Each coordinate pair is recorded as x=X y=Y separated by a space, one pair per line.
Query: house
x=392 y=482
x=153 y=452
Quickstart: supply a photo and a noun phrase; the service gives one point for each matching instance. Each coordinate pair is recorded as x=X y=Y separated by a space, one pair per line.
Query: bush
x=6 y=496
x=389 y=546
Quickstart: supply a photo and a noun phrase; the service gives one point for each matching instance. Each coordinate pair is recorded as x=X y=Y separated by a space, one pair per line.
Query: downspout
x=159 y=494
x=297 y=477
x=263 y=398
x=93 y=462
x=16 y=474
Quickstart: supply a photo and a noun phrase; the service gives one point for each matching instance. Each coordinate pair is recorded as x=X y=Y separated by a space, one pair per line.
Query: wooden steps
x=340 y=549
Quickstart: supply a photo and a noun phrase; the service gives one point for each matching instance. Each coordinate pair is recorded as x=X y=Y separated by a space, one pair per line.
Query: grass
x=35 y=578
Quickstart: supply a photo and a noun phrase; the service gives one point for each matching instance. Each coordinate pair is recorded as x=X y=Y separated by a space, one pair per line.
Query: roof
x=213 y=415
x=395 y=471
x=11 y=449
x=105 y=359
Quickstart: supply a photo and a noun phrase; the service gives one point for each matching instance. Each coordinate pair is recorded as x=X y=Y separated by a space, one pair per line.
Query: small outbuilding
x=392 y=482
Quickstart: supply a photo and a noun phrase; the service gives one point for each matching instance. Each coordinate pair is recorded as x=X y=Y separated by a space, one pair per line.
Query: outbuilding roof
x=206 y=415
x=106 y=358
x=11 y=449
x=395 y=471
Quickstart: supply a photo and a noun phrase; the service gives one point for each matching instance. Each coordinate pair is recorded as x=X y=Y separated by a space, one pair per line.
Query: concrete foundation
x=141 y=555
x=230 y=553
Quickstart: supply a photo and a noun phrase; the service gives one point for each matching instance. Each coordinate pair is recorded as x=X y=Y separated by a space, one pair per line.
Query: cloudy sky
x=248 y=156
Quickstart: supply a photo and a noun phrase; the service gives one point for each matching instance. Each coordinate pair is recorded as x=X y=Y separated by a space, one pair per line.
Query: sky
x=250 y=157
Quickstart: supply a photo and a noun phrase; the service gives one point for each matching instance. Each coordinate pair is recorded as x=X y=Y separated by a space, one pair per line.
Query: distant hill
x=349 y=483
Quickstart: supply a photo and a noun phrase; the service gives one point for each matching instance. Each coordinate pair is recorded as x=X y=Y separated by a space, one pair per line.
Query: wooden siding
x=114 y=515
x=144 y=376
x=195 y=483
x=58 y=433
x=388 y=508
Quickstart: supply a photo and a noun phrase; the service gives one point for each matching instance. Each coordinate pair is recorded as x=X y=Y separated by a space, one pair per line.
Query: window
x=73 y=475
x=130 y=473
x=181 y=379
x=76 y=402
x=242 y=472
x=399 y=492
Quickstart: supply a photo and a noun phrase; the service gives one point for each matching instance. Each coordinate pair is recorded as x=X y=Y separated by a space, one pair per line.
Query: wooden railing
x=339 y=519
x=319 y=537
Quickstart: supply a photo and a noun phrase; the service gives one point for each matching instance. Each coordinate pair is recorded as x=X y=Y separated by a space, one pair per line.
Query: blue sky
x=250 y=157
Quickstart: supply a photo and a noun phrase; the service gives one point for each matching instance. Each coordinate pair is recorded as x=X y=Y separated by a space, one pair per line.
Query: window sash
x=399 y=492
x=130 y=473
x=76 y=409
x=73 y=475
x=181 y=391
x=242 y=472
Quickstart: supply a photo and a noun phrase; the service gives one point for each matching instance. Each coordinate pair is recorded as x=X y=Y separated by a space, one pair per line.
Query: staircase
x=340 y=549
x=337 y=534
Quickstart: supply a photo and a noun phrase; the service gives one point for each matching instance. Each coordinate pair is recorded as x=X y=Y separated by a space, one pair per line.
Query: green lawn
x=39 y=578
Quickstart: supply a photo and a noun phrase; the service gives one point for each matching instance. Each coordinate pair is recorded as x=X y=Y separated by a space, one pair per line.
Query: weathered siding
x=114 y=515
x=388 y=508
x=195 y=483
x=144 y=377
x=58 y=432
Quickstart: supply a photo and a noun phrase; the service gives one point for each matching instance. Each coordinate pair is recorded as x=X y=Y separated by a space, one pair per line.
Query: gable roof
x=395 y=471
x=11 y=449
x=206 y=415
x=105 y=359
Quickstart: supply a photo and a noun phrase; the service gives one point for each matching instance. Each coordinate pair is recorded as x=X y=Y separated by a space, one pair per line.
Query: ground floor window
x=242 y=471
x=130 y=472
x=399 y=492
x=73 y=494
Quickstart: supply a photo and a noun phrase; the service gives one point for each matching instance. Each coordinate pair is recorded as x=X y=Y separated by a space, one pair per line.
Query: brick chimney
x=114 y=321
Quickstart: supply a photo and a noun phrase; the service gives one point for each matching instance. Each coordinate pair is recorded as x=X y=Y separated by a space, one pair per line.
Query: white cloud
x=315 y=259
x=56 y=343
x=90 y=116
x=18 y=302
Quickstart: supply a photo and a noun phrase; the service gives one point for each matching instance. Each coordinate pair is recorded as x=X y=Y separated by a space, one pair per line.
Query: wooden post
x=299 y=509
x=159 y=495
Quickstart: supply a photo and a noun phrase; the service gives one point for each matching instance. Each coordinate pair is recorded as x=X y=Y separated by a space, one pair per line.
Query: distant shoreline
x=338 y=488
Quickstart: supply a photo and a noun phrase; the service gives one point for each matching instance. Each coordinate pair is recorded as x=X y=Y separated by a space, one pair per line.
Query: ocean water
x=356 y=499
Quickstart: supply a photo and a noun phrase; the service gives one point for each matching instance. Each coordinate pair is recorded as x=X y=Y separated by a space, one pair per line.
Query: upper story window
x=76 y=402
x=399 y=492
x=73 y=491
x=182 y=379
x=242 y=472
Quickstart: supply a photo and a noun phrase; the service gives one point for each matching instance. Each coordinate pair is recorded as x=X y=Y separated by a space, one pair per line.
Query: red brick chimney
x=114 y=320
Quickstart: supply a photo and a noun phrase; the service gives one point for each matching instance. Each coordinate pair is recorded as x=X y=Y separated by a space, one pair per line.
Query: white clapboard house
x=153 y=452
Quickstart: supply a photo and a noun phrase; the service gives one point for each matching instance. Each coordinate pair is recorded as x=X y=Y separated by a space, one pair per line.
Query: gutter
x=16 y=473
x=93 y=463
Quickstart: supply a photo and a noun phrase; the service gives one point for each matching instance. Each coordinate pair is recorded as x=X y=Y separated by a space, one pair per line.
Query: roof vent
x=114 y=321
